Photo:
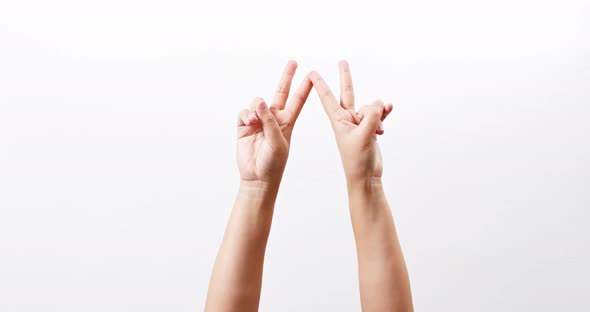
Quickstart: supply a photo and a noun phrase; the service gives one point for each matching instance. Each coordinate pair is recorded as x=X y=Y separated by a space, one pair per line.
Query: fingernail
x=380 y=127
x=262 y=106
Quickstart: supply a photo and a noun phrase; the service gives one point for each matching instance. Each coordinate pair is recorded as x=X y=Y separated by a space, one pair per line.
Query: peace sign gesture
x=355 y=130
x=264 y=133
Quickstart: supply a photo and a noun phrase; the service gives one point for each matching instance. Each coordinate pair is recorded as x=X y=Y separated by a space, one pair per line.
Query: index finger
x=326 y=96
x=298 y=98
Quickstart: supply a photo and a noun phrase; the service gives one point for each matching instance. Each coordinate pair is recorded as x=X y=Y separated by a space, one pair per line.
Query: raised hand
x=383 y=277
x=264 y=133
x=355 y=131
x=264 y=136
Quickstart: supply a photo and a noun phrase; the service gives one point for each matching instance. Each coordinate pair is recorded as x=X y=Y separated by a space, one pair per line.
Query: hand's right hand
x=355 y=131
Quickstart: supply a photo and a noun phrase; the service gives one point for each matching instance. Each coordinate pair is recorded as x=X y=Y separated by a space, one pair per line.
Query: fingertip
x=306 y=81
x=379 y=103
x=259 y=106
x=256 y=101
x=314 y=76
x=262 y=106
x=343 y=64
x=292 y=64
x=388 y=107
x=386 y=111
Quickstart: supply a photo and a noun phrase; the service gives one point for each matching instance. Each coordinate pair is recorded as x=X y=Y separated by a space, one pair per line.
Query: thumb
x=269 y=122
x=372 y=118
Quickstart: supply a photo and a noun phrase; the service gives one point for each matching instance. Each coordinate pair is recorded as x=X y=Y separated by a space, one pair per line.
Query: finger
x=248 y=123
x=252 y=115
x=298 y=98
x=255 y=103
x=269 y=122
x=346 y=89
x=372 y=118
x=386 y=110
x=282 y=92
x=243 y=119
x=360 y=115
x=247 y=118
x=380 y=129
x=326 y=96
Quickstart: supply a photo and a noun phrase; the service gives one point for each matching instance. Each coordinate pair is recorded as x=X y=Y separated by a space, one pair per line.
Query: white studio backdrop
x=117 y=166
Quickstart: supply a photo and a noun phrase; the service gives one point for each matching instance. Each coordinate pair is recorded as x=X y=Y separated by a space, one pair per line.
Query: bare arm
x=384 y=282
x=264 y=136
x=237 y=275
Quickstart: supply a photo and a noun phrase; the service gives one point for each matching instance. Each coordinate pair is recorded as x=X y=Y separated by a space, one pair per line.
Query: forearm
x=384 y=282
x=237 y=275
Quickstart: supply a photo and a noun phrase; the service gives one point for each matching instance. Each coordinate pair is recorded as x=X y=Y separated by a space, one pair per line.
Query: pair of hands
x=264 y=132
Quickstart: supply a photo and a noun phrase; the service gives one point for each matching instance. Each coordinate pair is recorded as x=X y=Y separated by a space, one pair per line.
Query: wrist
x=366 y=199
x=259 y=190
x=254 y=207
x=364 y=185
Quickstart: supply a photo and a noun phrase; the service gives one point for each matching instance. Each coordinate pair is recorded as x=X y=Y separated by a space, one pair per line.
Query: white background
x=117 y=159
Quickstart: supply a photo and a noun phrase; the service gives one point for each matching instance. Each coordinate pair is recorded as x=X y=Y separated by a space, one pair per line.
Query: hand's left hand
x=264 y=133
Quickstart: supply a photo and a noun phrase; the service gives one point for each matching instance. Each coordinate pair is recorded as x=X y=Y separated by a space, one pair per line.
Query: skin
x=264 y=136
x=383 y=277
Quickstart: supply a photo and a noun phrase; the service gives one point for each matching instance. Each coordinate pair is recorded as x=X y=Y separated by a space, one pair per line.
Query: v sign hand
x=383 y=277
x=264 y=133
x=355 y=131
x=264 y=137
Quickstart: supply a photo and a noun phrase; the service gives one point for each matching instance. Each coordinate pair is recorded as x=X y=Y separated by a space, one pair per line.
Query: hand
x=355 y=131
x=264 y=133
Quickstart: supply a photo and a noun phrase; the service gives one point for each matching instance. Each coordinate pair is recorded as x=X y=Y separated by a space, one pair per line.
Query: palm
x=258 y=157
x=367 y=154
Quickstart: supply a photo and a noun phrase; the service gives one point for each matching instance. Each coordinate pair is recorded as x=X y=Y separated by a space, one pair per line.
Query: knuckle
x=376 y=112
x=282 y=89
x=300 y=97
x=269 y=118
